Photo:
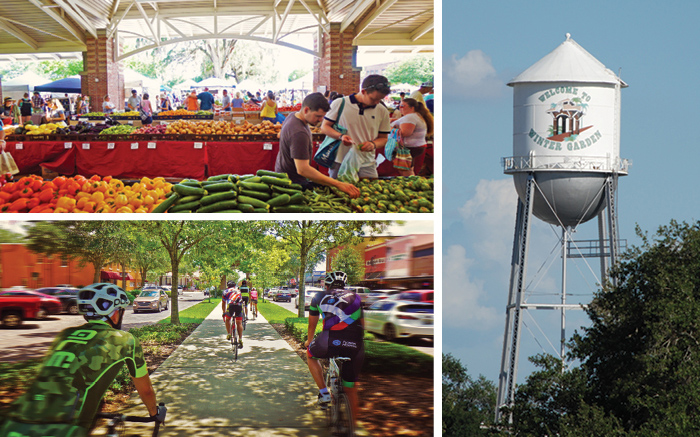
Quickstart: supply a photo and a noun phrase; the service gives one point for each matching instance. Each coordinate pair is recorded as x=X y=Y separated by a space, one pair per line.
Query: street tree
x=307 y=236
x=94 y=242
x=352 y=262
x=178 y=238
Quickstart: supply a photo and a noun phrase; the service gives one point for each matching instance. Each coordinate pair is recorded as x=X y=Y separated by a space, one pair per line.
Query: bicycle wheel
x=234 y=341
x=344 y=424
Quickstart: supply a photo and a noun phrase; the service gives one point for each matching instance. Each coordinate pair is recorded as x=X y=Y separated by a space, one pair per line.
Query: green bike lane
x=267 y=392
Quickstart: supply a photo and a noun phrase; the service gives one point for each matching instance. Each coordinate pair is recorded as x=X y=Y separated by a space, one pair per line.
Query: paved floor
x=267 y=392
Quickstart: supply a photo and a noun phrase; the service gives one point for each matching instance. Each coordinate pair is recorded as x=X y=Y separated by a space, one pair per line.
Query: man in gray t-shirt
x=296 y=146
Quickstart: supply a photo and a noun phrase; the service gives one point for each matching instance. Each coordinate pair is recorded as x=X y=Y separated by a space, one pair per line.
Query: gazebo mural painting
x=566 y=118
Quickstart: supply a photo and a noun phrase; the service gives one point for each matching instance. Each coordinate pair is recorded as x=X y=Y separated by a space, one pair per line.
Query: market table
x=151 y=158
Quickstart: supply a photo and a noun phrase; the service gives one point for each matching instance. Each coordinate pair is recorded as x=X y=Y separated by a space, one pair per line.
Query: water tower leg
x=602 y=242
x=562 y=343
x=511 y=337
x=611 y=193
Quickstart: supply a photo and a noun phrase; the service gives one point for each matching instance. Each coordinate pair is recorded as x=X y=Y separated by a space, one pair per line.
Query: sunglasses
x=381 y=87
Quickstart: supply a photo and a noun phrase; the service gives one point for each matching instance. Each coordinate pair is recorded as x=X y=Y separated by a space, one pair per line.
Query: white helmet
x=336 y=279
x=101 y=300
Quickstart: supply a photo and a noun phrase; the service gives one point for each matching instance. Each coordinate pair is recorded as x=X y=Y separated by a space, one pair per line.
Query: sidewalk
x=267 y=392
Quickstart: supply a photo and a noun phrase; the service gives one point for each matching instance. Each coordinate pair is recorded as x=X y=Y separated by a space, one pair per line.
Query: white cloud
x=463 y=295
x=491 y=213
x=471 y=76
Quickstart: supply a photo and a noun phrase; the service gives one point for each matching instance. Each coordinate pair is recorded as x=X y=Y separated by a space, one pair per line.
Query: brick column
x=102 y=73
x=337 y=60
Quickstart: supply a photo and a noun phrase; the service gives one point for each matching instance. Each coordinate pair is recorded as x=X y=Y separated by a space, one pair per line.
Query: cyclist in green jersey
x=245 y=294
x=81 y=364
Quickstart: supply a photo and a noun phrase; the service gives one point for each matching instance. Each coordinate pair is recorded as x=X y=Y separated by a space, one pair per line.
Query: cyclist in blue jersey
x=81 y=364
x=341 y=336
x=232 y=307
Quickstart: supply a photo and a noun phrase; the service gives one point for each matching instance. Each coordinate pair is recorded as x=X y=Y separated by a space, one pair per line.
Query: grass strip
x=380 y=357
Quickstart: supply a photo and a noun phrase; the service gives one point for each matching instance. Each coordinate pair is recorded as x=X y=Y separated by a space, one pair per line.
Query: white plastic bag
x=352 y=161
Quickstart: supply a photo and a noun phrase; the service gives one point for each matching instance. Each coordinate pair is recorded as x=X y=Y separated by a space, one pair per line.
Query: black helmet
x=336 y=279
x=231 y=284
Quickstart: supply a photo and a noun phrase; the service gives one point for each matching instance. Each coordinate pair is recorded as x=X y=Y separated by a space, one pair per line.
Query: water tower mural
x=565 y=166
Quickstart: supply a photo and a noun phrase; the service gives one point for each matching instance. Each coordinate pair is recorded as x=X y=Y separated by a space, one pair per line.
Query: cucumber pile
x=263 y=192
x=267 y=191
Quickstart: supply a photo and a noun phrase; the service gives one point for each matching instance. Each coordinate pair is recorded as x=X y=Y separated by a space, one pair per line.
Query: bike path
x=267 y=392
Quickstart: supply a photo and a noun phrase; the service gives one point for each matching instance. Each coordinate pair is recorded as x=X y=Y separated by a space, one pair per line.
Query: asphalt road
x=424 y=345
x=33 y=338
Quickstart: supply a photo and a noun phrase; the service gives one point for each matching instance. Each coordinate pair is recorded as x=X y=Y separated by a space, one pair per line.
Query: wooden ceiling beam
x=18 y=33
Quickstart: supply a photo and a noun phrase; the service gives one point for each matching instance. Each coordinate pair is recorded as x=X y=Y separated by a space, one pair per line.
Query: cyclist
x=231 y=307
x=245 y=294
x=80 y=365
x=254 y=300
x=341 y=336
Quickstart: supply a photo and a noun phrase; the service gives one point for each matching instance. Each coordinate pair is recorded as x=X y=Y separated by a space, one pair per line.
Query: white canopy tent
x=24 y=83
x=139 y=82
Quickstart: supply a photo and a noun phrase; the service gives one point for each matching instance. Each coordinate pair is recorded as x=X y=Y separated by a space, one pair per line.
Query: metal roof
x=569 y=62
x=57 y=29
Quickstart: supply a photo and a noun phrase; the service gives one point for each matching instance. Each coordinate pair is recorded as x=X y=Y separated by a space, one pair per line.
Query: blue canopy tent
x=70 y=85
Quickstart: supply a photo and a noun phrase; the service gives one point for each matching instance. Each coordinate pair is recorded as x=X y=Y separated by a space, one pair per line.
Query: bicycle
x=338 y=414
x=255 y=311
x=234 y=339
x=115 y=425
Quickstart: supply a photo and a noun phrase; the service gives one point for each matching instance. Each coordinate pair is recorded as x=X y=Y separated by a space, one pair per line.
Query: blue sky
x=484 y=45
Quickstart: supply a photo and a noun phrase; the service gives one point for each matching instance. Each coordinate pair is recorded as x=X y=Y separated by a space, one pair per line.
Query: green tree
x=56 y=70
x=7 y=236
x=296 y=74
x=307 y=237
x=178 y=238
x=352 y=262
x=639 y=357
x=467 y=404
x=94 y=242
x=413 y=71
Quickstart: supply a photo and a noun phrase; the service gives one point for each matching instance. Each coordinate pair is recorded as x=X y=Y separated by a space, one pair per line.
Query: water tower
x=565 y=166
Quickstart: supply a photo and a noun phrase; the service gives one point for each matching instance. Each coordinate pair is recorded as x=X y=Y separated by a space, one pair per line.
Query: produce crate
x=126 y=117
x=16 y=137
x=203 y=117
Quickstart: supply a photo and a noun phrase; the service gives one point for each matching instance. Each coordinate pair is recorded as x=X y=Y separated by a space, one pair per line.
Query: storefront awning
x=109 y=275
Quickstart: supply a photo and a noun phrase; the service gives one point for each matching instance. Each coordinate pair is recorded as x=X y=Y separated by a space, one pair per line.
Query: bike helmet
x=100 y=300
x=231 y=284
x=336 y=279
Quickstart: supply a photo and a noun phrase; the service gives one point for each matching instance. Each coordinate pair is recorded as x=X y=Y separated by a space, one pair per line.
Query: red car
x=19 y=305
x=417 y=295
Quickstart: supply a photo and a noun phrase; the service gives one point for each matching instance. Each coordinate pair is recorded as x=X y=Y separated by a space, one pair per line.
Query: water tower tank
x=566 y=132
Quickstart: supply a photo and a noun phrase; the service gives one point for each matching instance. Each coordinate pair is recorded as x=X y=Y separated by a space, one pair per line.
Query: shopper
x=269 y=108
x=134 y=101
x=25 y=108
x=55 y=112
x=226 y=101
x=147 y=110
x=107 y=105
x=296 y=147
x=191 y=102
x=238 y=101
x=415 y=124
x=425 y=88
x=207 y=100
x=366 y=121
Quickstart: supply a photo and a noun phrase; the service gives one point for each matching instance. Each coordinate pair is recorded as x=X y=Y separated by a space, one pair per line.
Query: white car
x=400 y=319
x=309 y=294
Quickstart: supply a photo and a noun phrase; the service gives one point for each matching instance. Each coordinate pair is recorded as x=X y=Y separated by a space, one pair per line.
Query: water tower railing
x=591 y=248
x=603 y=164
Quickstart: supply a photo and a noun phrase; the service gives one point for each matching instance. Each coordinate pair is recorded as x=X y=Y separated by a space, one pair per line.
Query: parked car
x=273 y=291
x=400 y=319
x=417 y=295
x=377 y=295
x=309 y=293
x=18 y=305
x=67 y=295
x=282 y=296
x=151 y=300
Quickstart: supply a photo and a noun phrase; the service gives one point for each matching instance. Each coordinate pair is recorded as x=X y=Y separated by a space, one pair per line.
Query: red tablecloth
x=241 y=157
x=173 y=159
x=29 y=154
x=136 y=159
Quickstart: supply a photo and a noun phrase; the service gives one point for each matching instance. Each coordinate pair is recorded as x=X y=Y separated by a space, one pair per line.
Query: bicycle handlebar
x=118 y=417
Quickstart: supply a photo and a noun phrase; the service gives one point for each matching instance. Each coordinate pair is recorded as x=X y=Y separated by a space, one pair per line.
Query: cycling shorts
x=245 y=300
x=11 y=427
x=327 y=344
x=234 y=311
x=254 y=300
